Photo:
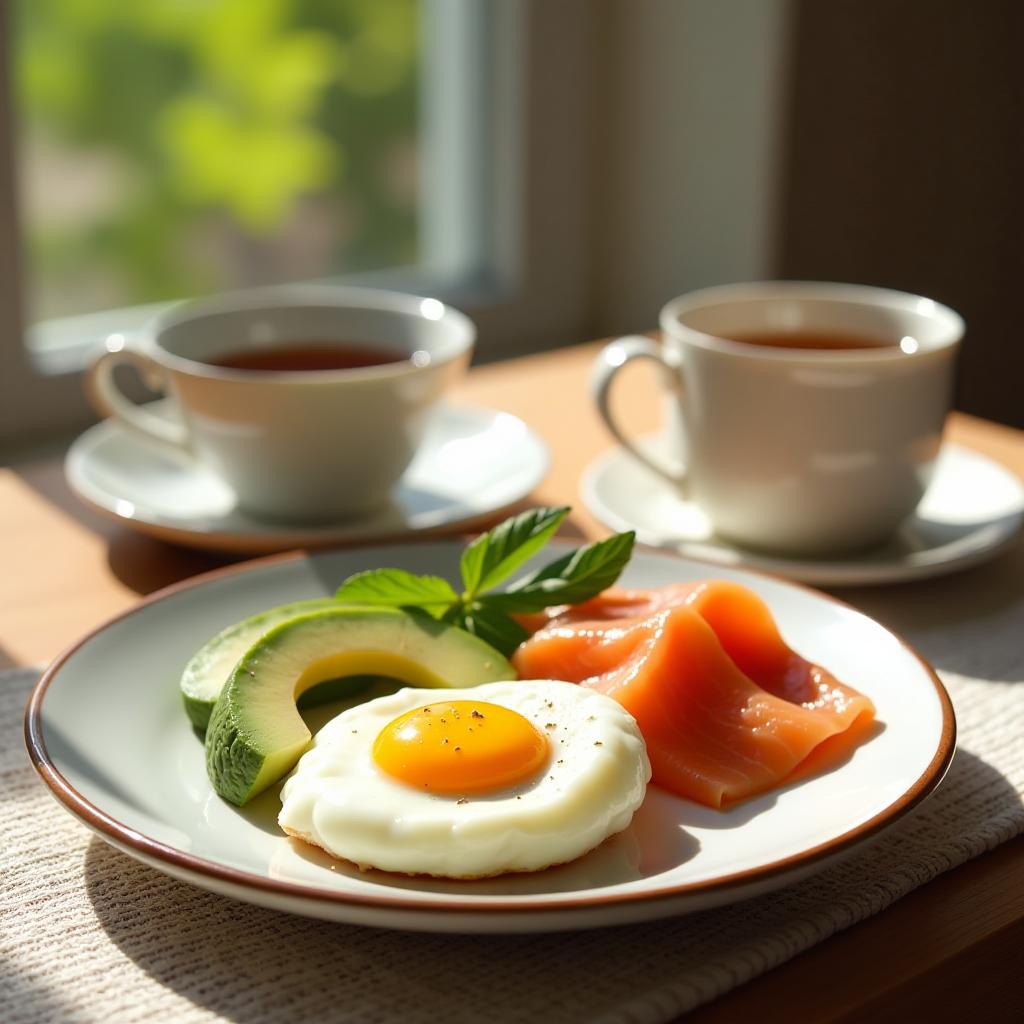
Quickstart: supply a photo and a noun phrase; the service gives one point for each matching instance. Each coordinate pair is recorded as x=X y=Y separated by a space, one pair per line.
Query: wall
x=905 y=167
x=853 y=140
x=686 y=100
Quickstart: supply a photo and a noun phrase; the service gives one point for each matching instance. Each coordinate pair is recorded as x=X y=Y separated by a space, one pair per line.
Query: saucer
x=473 y=464
x=971 y=511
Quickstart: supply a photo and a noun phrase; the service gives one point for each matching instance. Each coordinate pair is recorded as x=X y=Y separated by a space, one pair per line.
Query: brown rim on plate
x=123 y=836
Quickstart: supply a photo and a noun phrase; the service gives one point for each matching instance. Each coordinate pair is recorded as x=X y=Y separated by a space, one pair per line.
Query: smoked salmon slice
x=727 y=709
x=613 y=603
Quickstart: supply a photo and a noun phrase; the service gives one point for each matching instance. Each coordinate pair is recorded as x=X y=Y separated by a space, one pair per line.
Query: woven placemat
x=90 y=935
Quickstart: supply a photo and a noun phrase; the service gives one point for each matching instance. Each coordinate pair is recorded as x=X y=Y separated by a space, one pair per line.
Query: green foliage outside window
x=177 y=147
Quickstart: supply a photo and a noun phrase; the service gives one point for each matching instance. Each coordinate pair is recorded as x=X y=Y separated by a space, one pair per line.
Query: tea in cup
x=308 y=401
x=806 y=417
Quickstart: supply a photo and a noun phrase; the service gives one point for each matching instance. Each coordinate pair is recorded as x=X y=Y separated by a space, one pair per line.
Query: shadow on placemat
x=7 y=660
x=20 y=990
x=246 y=963
x=969 y=622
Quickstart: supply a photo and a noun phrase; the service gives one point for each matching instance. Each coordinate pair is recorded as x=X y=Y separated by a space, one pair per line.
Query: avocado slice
x=256 y=734
x=208 y=669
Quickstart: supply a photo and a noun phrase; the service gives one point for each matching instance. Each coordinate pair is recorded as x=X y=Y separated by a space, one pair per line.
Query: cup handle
x=108 y=399
x=612 y=359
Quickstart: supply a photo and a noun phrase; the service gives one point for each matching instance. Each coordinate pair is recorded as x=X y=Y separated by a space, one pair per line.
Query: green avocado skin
x=256 y=735
x=230 y=759
x=210 y=667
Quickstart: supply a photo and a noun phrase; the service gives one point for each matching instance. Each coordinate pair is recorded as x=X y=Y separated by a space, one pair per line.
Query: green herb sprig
x=491 y=559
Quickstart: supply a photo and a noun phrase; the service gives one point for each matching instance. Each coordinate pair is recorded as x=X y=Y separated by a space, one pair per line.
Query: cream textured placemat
x=87 y=934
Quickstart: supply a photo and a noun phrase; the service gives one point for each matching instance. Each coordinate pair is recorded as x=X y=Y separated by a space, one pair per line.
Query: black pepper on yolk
x=461 y=747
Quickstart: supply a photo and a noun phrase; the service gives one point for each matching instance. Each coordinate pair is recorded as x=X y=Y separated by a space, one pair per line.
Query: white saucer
x=971 y=511
x=474 y=463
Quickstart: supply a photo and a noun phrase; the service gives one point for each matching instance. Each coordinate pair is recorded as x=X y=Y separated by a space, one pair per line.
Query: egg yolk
x=460 y=747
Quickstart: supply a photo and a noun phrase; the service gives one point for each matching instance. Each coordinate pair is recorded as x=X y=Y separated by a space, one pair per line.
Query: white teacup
x=309 y=445
x=804 y=451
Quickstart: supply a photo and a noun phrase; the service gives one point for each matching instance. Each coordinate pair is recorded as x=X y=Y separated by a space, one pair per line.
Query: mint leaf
x=495 y=555
x=489 y=560
x=491 y=626
x=576 y=577
x=397 y=588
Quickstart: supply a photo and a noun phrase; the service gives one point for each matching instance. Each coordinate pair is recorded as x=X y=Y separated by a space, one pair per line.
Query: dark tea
x=821 y=340
x=308 y=356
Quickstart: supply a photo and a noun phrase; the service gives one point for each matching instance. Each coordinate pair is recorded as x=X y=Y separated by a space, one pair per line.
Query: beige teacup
x=803 y=451
x=294 y=443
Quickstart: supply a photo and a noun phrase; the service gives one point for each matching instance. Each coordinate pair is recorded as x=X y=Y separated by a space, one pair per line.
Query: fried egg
x=508 y=776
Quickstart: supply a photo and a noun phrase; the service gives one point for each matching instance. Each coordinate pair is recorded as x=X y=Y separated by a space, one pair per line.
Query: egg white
x=593 y=781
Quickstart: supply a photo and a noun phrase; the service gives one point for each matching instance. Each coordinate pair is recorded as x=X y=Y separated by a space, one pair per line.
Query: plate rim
x=148 y=849
x=836 y=572
x=271 y=537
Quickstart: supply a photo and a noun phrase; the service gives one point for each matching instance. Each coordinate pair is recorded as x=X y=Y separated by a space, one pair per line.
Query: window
x=172 y=148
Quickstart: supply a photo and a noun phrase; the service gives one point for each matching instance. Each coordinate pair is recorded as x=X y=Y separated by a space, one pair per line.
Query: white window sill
x=67 y=345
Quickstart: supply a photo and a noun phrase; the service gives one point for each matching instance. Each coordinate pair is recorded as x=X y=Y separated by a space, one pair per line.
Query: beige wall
x=687 y=98
x=851 y=140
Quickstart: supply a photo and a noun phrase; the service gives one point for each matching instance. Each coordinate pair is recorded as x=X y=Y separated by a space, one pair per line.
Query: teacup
x=806 y=417
x=308 y=401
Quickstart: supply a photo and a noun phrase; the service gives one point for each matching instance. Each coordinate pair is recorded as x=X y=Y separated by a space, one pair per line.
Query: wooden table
x=950 y=946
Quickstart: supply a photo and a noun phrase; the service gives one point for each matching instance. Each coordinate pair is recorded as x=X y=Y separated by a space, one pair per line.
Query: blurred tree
x=177 y=147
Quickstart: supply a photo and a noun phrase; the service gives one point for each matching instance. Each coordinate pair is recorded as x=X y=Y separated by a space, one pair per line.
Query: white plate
x=107 y=733
x=972 y=510
x=473 y=464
